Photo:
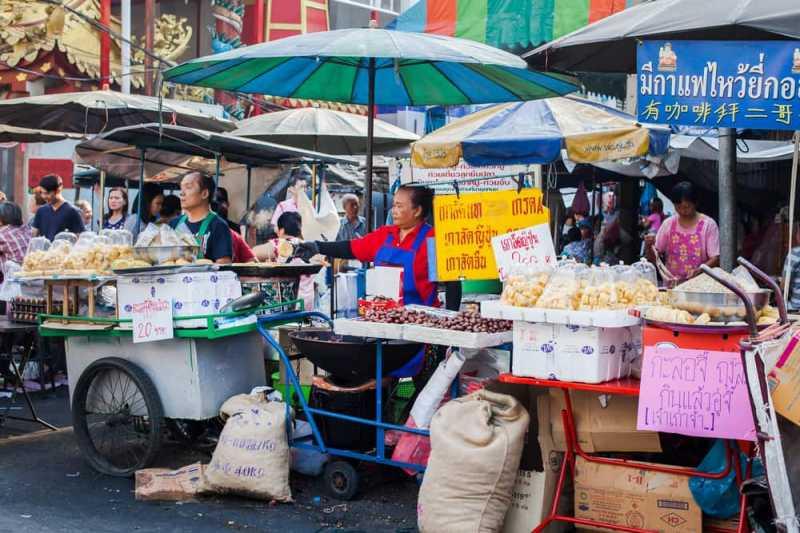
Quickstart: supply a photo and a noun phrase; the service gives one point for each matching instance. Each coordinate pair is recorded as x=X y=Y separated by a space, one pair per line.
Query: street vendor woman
x=687 y=239
x=402 y=244
x=212 y=233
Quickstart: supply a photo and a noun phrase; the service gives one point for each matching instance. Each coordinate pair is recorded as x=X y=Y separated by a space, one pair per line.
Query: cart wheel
x=117 y=417
x=342 y=480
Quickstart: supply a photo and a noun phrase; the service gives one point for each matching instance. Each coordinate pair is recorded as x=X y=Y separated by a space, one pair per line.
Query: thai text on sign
x=152 y=320
x=466 y=224
x=731 y=84
x=531 y=247
x=702 y=393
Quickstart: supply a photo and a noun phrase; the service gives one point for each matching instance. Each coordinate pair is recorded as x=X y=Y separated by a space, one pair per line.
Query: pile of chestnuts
x=463 y=321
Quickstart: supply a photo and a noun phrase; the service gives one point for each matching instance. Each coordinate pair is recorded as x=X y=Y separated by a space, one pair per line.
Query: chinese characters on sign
x=152 y=320
x=527 y=247
x=466 y=224
x=701 y=393
x=720 y=84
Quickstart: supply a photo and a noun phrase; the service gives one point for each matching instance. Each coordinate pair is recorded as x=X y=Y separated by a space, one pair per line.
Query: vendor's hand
x=306 y=250
x=650 y=239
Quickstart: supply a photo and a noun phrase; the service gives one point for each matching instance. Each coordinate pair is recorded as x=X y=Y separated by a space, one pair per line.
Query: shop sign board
x=720 y=84
x=152 y=320
x=532 y=246
x=696 y=392
x=466 y=224
x=469 y=178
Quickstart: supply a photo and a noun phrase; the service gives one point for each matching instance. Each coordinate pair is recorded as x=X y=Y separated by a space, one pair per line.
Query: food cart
x=124 y=393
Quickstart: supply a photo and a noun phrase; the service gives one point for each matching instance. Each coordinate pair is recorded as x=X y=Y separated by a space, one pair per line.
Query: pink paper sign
x=702 y=393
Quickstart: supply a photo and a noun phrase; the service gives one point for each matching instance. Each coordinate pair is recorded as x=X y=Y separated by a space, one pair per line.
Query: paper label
x=152 y=320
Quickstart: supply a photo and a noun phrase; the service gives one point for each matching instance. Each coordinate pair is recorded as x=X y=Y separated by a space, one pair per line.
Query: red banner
x=38 y=168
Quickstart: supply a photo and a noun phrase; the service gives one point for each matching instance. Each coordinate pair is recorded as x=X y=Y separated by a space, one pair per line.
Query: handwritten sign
x=701 y=393
x=466 y=224
x=716 y=84
x=152 y=320
x=526 y=247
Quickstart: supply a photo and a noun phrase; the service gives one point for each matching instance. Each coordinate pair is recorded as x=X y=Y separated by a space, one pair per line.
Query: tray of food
x=273 y=270
x=703 y=296
x=201 y=265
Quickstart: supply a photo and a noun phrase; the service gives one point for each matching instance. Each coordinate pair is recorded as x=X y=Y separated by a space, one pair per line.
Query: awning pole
x=216 y=172
x=139 y=198
x=727 y=198
x=792 y=200
x=102 y=197
x=247 y=195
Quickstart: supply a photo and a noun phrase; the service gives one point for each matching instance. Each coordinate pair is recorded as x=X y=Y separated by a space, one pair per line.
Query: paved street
x=45 y=486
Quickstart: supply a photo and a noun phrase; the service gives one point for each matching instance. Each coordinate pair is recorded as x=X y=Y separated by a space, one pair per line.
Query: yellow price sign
x=465 y=226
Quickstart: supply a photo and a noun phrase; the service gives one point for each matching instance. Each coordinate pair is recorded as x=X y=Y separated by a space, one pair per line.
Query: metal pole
x=370 y=138
x=247 y=194
x=727 y=198
x=216 y=173
x=102 y=197
x=792 y=200
x=149 y=39
x=125 y=47
x=139 y=198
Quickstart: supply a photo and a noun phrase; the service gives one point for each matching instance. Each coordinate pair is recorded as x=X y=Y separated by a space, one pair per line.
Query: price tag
x=531 y=246
x=152 y=320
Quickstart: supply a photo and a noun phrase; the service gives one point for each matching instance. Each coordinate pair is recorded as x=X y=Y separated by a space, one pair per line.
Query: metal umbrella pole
x=370 y=138
x=139 y=199
x=792 y=199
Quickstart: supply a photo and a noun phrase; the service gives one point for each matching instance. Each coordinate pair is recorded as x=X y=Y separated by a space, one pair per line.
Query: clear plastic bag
x=148 y=236
x=600 y=291
x=67 y=236
x=565 y=287
x=524 y=286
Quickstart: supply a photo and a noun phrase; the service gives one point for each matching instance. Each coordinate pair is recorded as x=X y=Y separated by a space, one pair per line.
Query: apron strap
x=201 y=231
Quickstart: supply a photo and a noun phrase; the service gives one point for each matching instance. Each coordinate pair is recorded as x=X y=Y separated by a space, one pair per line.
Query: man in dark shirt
x=211 y=231
x=57 y=214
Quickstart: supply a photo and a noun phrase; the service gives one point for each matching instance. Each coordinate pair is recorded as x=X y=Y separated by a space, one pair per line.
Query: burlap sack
x=252 y=456
x=476 y=445
x=171 y=485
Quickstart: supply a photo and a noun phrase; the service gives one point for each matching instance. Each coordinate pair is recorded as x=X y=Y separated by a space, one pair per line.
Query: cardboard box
x=784 y=381
x=607 y=426
x=199 y=293
x=575 y=353
x=635 y=498
x=385 y=281
x=537 y=477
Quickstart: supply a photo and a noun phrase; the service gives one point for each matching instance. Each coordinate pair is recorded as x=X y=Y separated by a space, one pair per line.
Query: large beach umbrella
x=93 y=112
x=12 y=134
x=537 y=133
x=609 y=45
x=325 y=130
x=374 y=67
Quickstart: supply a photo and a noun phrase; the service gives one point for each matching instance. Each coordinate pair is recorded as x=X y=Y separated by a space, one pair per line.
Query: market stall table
x=26 y=333
x=625 y=387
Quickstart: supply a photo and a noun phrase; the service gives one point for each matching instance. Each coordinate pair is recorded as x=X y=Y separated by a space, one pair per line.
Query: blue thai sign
x=720 y=84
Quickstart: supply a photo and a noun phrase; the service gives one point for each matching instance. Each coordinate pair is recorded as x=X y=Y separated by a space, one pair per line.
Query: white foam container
x=358 y=327
x=586 y=354
x=604 y=319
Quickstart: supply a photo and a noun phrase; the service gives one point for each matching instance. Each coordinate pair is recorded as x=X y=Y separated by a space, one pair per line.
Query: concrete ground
x=46 y=486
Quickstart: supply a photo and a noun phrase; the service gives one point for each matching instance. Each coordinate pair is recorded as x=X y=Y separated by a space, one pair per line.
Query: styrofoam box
x=461 y=339
x=605 y=319
x=586 y=354
x=363 y=328
x=198 y=293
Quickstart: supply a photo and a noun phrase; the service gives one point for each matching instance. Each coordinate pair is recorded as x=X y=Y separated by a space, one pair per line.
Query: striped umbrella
x=537 y=132
x=374 y=66
x=510 y=24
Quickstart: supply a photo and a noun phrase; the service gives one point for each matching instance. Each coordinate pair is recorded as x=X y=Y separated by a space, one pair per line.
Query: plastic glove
x=306 y=250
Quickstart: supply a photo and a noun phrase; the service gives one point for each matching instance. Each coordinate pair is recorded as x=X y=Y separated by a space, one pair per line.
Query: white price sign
x=531 y=246
x=152 y=320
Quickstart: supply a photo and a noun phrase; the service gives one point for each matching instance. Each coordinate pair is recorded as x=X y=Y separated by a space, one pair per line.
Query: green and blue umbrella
x=374 y=67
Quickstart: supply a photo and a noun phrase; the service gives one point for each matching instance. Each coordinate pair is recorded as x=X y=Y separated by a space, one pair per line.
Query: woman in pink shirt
x=689 y=238
x=653 y=221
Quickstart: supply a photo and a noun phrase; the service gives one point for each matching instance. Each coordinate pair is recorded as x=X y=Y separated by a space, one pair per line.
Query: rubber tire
x=338 y=471
x=152 y=402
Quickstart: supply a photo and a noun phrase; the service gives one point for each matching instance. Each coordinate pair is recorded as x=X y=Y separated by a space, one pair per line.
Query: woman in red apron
x=401 y=244
x=687 y=239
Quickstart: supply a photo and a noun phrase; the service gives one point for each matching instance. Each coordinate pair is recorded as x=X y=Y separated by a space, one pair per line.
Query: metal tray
x=165 y=269
x=721 y=306
x=256 y=270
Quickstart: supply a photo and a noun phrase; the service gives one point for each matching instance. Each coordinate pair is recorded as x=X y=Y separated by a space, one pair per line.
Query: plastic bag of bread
x=565 y=287
x=524 y=286
x=599 y=292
